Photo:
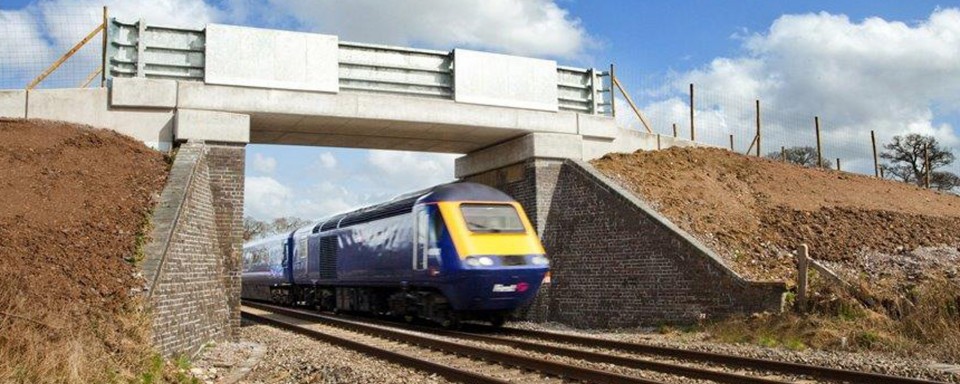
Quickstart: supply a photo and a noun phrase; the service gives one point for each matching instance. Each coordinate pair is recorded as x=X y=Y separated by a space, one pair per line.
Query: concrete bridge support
x=615 y=261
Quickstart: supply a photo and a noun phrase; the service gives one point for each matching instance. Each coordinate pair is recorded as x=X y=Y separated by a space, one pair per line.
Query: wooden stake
x=816 y=122
x=674 y=129
x=633 y=106
x=783 y=153
x=758 y=128
x=693 y=129
x=881 y=174
x=59 y=62
x=926 y=165
x=838 y=164
x=658 y=141
x=876 y=164
x=90 y=77
x=731 y=142
x=103 y=52
x=802 y=258
x=613 y=103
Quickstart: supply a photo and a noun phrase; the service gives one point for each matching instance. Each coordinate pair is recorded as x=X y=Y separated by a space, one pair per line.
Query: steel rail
x=820 y=372
x=444 y=371
x=505 y=358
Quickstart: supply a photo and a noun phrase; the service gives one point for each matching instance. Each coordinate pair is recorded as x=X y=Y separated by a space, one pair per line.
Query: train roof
x=456 y=191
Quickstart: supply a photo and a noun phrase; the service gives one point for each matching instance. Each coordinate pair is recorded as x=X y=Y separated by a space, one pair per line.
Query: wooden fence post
x=758 y=128
x=876 y=164
x=658 y=141
x=731 y=142
x=926 y=165
x=783 y=153
x=674 y=129
x=693 y=130
x=838 y=164
x=103 y=54
x=613 y=97
x=802 y=264
x=816 y=123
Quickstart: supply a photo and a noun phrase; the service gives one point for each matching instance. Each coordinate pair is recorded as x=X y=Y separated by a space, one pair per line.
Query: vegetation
x=910 y=157
x=805 y=156
x=255 y=229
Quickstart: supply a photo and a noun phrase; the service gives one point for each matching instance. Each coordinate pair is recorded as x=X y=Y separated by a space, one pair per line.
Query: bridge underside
x=327 y=131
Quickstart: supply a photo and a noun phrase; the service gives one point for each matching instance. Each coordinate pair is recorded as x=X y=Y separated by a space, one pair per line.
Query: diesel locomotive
x=453 y=252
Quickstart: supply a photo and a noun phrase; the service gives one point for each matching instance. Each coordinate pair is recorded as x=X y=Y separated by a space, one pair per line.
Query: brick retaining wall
x=192 y=264
x=615 y=261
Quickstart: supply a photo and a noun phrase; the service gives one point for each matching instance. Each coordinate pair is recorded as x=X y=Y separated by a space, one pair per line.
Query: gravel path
x=863 y=361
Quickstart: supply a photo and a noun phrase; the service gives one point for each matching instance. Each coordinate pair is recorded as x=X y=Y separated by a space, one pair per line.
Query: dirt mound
x=75 y=204
x=754 y=211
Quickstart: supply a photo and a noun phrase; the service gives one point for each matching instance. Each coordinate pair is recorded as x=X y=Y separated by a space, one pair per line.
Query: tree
x=805 y=156
x=255 y=229
x=908 y=158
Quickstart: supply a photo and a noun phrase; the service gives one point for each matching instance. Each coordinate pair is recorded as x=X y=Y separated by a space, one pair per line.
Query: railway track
x=773 y=371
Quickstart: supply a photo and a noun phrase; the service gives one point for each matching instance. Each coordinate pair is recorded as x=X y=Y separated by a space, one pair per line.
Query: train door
x=426 y=249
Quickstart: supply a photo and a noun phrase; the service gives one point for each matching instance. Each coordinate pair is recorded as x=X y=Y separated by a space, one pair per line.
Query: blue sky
x=890 y=66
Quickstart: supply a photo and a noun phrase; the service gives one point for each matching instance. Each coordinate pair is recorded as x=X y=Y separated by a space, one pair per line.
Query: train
x=450 y=253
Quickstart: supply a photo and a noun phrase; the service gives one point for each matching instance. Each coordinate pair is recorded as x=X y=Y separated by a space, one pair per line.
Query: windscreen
x=491 y=218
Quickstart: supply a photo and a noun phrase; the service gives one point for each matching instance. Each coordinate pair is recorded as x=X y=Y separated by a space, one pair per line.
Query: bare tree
x=254 y=229
x=908 y=158
x=805 y=156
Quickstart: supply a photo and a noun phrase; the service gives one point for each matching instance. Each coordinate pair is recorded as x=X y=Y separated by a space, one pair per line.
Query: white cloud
x=523 y=27
x=408 y=171
x=875 y=74
x=327 y=160
x=264 y=164
x=266 y=198
x=21 y=41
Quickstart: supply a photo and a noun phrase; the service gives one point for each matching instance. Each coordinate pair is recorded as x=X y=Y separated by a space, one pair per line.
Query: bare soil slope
x=755 y=211
x=74 y=203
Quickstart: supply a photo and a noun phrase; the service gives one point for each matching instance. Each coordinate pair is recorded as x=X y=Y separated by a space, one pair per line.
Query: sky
x=888 y=66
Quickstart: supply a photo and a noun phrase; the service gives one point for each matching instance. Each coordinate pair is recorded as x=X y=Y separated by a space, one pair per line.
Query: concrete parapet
x=13 y=103
x=632 y=140
x=146 y=93
x=224 y=127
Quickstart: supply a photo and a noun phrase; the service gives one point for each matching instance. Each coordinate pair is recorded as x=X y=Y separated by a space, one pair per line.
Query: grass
x=923 y=321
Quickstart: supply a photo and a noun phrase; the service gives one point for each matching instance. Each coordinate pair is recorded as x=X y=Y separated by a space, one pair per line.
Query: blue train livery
x=454 y=252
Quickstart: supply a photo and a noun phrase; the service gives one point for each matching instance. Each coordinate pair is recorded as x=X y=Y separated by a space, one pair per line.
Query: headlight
x=540 y=260
x=481 y=261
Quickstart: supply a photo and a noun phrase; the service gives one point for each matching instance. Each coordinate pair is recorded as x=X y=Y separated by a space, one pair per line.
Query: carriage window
x=491 y=218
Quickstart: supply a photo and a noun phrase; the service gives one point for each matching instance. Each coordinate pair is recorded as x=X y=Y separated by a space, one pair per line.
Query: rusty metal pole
x=816 y=123
x=103 y=53
x=758 y=128
x=876 y=164
x=693 y=129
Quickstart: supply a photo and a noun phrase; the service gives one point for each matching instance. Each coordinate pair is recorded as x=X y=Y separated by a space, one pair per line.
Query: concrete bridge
x=525 y=126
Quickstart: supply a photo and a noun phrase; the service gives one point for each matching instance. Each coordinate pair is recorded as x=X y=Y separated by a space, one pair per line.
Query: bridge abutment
x=615 y=261
x=193 y=261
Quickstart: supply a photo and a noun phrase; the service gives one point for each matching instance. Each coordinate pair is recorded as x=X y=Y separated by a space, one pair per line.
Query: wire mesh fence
x=723 y=116
x=34 y=38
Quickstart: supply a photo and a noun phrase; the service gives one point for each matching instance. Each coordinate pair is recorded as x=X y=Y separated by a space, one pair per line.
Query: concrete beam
x=89 y=106
x=146 y=93
x=539 y=145
x=224 y=127
x=13 y=103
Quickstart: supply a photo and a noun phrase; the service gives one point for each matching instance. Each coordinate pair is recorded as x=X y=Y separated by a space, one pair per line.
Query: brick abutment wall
x=192 y=264
x=615 y=261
